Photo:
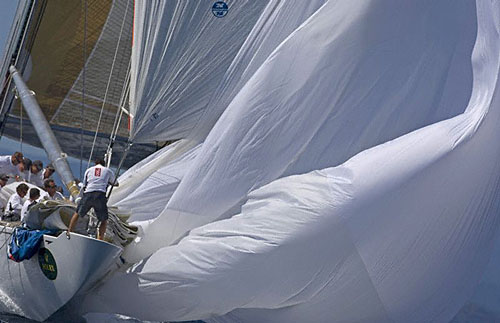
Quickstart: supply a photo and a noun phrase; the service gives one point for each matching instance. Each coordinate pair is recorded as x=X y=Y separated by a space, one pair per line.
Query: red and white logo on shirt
x=97 y=172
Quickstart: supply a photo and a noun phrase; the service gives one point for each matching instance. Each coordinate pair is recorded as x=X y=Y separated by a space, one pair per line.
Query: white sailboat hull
x=76 y=265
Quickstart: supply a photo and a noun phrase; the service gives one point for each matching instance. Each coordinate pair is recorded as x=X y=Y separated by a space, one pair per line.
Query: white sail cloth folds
x=277 y=21
x=401 y=232
x=347 y=79
x=180 y=53
x=154 y=192
x=136 y=175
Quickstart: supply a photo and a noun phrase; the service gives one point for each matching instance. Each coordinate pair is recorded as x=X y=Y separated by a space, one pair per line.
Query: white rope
x=107 y=86
x=21 y=127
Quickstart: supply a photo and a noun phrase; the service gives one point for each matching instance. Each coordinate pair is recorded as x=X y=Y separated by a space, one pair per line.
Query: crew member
x=35 y=173
x=50 y=186
x=24 y=168
x=47 y=172
x=95 y=183
x=34 y=196
x=3 y=181
x=15 y=203
x=9 y=164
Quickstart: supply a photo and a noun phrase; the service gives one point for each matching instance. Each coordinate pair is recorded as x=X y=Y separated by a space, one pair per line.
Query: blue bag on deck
x=24 y=243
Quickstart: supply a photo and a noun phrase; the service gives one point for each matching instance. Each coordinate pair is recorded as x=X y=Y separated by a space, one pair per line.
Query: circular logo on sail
x=220 y=9
x=47 y=263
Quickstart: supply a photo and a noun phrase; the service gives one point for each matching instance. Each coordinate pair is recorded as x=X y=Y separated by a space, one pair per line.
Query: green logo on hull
x=47 y=263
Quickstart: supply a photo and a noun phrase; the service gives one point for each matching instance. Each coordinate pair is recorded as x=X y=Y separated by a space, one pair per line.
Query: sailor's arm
x=112 y=178
x=15 y=205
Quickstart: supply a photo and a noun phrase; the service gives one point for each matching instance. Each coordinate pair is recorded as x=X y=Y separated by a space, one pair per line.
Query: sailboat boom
x=45 y=133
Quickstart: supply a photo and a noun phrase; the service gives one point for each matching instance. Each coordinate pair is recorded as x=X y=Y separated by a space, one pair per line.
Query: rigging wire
x=4 y=117
x=118 y=116
x=82 y=120
x=119 y=111
x=107 y=86
x=21 y=127
x=129 y=145
x=9 y=80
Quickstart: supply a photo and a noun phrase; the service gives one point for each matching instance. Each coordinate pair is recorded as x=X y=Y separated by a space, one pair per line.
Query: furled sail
x=396 y=214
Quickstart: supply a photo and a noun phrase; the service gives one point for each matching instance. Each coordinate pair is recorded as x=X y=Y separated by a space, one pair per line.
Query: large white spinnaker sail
x=346 y=80
x=277 y=20
x=181 y=52
x=400 y=232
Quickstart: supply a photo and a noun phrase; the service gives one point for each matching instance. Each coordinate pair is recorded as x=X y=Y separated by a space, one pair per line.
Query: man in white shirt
x=95 y=183
x=9 y=164
x=34 y=173
x=24 y=168
x=34 y=196
x=15 y=204
x=3 y=181
x=46 y=173
x=50 y=186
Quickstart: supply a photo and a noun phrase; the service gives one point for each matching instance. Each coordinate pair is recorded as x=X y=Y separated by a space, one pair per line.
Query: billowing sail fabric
x=344 y=81
x=276 y=22
x=155 y=191
x=400 y=232
x=181 y=51
x=135 y=176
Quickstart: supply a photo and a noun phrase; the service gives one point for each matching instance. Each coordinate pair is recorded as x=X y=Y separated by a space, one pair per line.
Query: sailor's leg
x=72 y=223
x=101 y=211
x=102 y=230
x=82 y=209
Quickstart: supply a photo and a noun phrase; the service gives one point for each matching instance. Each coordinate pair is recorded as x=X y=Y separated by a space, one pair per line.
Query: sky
x=7 y=11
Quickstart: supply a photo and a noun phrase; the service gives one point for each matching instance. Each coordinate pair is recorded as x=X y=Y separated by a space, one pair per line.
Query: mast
x=44 y=132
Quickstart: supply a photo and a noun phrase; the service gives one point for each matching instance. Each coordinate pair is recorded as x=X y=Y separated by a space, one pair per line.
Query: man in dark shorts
x=95 y=183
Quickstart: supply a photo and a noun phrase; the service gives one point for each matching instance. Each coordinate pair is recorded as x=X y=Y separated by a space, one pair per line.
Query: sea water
x=470 y=313
x=87 y=318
